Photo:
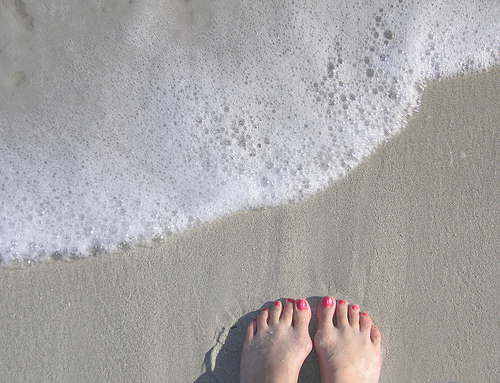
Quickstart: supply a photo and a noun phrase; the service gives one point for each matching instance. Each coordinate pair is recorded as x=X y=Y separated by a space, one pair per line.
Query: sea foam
x=122 y=121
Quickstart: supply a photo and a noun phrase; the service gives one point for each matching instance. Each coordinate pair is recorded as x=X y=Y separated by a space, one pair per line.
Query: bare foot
x=277 y=343
x=349 y=350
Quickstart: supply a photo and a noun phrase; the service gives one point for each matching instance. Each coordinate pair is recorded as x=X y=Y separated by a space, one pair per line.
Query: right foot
x=349 y=350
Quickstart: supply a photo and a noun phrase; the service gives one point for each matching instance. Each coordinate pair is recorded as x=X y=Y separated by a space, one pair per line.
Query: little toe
x=301 y=314
x=251 y=329
x=354 y=316
x=324 y=313
x=341 y=313
x=375 y=335
x=365 y=322
x=275 y=313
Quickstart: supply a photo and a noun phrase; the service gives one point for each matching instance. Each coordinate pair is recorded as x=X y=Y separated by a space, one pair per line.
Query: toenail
x=277 y=303
x=364 y=314
x=266 y=309
x=291 y=300
x=302 y=305
x=327 y=302
x=341 y=302
x=354 y=307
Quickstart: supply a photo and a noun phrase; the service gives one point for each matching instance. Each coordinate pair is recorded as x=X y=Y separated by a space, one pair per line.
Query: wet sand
x=410 y=235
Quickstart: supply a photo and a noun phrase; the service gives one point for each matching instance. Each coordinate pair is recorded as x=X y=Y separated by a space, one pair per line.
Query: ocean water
x=123 y=121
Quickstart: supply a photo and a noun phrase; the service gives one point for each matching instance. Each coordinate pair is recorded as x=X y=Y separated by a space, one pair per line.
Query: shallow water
x=122 y=121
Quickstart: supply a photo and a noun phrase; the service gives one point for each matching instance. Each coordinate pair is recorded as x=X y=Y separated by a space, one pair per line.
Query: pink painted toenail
x=291 y=300
x=277 y=303
x=364 y=314
x=341 y=302
x=354 y=307
x=302 y=305
x=266 y=309
x=327 y=302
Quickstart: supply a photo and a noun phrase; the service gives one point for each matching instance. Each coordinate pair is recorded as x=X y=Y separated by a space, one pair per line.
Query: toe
x=275 y=313
x=301 y=314
x=287 y=314
x=324 y=313
x=375 y=335
x=262 y=319
x=354 y=316
x=341 y=313
x=251 y=328
x=365 y=322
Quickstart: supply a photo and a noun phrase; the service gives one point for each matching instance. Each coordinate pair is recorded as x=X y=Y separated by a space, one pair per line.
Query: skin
x=349 y=350
x=278 y=342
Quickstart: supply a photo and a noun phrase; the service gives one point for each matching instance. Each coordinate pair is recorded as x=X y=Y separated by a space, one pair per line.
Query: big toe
x=324 y=313
x=301 y=314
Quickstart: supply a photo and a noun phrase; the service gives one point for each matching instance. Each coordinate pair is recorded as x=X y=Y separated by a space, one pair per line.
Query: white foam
x=134 y=120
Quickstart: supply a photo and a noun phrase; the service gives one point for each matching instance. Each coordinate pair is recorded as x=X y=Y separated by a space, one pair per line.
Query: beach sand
x=411 y=235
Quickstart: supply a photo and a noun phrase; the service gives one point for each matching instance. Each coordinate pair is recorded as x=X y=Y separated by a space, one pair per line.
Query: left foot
x=277 y=343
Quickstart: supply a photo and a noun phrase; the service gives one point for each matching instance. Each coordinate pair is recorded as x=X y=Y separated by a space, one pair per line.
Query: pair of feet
x=277 y=342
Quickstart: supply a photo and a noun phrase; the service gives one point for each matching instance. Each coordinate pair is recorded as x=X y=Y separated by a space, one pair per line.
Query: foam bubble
x=122 y=122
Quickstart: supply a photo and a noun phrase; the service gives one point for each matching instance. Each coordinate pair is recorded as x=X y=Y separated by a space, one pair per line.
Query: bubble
x=149 y=121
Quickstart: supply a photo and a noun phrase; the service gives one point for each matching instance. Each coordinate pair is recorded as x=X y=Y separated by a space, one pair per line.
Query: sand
x=411 y=235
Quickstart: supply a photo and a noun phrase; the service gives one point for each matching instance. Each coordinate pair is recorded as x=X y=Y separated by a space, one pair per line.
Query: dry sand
x=411 y=235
